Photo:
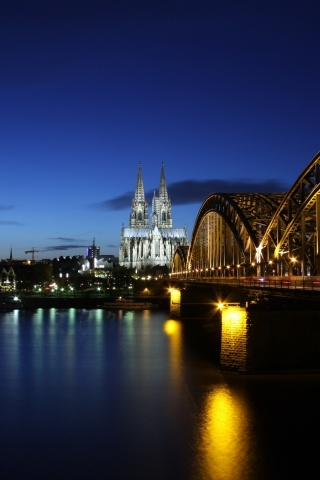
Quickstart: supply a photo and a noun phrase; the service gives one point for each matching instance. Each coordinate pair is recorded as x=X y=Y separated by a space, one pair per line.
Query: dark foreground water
x=91 y=395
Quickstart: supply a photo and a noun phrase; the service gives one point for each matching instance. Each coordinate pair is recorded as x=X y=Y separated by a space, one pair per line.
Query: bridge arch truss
x=243 y=234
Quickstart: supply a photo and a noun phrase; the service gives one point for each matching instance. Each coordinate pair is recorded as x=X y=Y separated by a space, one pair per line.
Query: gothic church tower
x=139 y=207
x=142 y=246
x=161 y=205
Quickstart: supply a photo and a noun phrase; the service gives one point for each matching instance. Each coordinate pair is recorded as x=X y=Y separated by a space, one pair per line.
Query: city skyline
x=225 y=95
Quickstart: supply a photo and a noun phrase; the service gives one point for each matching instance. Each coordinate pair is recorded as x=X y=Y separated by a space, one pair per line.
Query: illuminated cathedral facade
x=143 y=245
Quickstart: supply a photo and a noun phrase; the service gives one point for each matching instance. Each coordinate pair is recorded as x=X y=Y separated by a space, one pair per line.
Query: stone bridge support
x=282 y=335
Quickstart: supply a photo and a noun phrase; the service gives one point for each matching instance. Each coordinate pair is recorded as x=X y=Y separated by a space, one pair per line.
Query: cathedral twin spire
x=161 y=205
x=139 y=208
x=150 y=242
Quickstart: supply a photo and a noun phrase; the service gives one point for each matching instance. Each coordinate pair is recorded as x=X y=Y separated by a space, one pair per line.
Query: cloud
x=196 y=191
x=118 y=203
x=6 y=207
x=113 y=246
x=69 y=245
x=188 y=192
x=61 y=247
x=9 y=222
x=63 y=239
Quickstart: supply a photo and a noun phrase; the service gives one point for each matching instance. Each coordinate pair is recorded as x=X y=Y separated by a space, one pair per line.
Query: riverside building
x=143 y=245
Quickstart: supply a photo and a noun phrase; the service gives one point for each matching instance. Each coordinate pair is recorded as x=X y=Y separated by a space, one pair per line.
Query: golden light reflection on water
x=173 y=329
x=225 y=437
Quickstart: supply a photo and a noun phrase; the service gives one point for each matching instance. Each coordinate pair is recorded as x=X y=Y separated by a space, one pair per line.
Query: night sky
x=226 y=94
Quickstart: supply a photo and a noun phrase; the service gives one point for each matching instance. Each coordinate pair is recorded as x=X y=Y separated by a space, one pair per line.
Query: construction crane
x=33 y=251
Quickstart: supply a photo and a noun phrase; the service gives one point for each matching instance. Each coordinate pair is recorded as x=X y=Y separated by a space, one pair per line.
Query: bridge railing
x=292 y=283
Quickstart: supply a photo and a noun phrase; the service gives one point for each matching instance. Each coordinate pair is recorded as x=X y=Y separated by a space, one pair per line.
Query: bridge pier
x=253 y=338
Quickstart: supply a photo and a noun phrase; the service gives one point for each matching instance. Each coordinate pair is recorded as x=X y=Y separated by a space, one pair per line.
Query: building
x=143 y=246
x=93 y=252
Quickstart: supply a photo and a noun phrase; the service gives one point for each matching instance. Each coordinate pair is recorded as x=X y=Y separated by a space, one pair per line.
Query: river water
x=89 y=394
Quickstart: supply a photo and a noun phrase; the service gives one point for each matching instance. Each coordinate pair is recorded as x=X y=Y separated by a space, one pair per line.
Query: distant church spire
x=139 y=208
x=163 y=193
x=161 y=205
x=139 y=194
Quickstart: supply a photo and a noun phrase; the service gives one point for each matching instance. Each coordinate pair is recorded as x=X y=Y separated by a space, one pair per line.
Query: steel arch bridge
x=253 y=234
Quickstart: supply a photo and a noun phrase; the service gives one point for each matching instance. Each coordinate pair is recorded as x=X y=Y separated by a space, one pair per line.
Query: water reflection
x=173 y=329
x=226 y=436
x=89 y=395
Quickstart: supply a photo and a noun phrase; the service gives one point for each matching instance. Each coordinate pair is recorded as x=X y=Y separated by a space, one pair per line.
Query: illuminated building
x=93 y=253
x=142 y=245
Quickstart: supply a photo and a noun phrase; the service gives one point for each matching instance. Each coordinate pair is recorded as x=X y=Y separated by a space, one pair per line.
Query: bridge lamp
x=294 y=261
x=238 y=266
x=270 y=263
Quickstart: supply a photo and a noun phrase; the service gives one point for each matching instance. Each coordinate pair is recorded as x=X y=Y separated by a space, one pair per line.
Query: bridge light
x=171 y=327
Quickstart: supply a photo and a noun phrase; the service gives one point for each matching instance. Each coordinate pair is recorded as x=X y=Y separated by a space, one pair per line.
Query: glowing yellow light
x=233 y=317
x=175 y=295
x=226 y=437
x=171 y=327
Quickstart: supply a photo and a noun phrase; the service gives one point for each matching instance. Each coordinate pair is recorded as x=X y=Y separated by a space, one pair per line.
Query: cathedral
x=143 y=246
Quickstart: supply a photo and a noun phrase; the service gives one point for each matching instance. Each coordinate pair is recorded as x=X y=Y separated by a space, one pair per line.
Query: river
x=90 y=394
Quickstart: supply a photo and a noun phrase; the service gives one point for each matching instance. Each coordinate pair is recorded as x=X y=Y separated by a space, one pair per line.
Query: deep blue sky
x=226 y=94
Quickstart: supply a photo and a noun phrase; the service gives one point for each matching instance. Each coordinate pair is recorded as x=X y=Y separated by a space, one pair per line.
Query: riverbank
x=32 y=302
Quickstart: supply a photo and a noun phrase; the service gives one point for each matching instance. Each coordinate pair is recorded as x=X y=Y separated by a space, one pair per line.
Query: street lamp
x=293 y=260
x=238 y=266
